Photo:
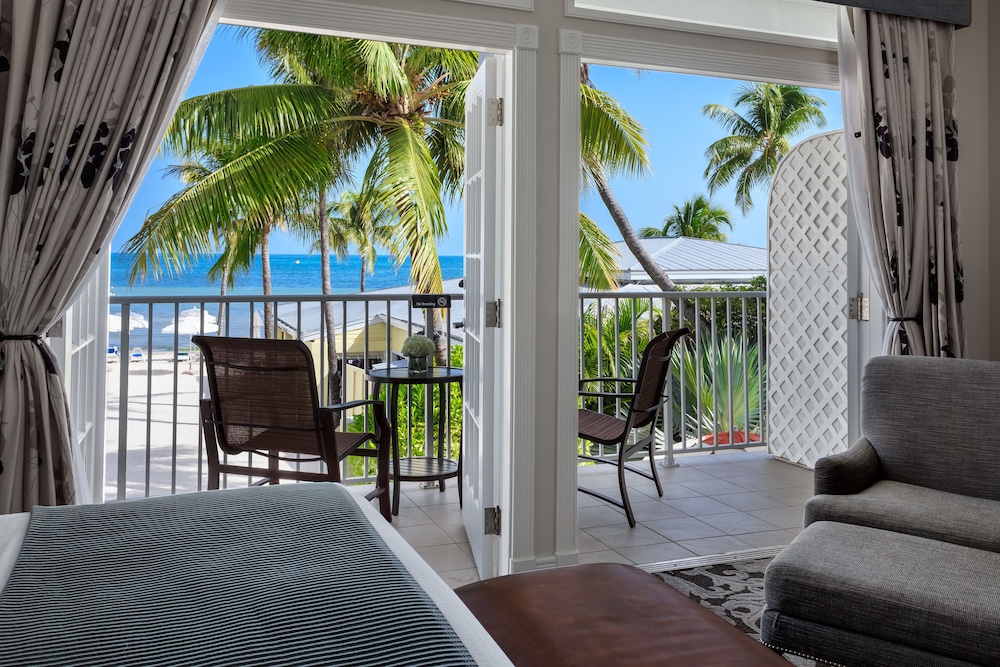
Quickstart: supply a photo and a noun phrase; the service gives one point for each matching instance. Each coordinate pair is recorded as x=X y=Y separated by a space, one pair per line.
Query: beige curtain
x=87 y=88
x=898 y=81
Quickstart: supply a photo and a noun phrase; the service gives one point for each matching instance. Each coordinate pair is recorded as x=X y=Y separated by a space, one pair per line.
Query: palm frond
x=411 y=180
x=598 y=257
x=215 y=121
x=609 y=136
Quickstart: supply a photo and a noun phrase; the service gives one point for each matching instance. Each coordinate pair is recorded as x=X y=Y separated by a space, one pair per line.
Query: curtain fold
x=897 y=77
x=88 y=88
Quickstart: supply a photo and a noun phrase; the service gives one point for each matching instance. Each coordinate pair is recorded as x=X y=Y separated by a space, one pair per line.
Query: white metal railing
x=717 y=387
x=156 y=379
x=154 y=444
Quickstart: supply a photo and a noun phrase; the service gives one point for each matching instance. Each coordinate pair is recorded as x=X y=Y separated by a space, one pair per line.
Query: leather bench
x=606 y=614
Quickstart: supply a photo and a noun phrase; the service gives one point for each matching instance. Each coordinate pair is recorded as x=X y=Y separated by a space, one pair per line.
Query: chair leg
x=211 y=444
x=626 y=505
x=382 y=477
x=383 y=446
x=652 y=467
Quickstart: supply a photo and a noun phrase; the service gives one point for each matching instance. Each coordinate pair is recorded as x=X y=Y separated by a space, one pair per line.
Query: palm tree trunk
x=265 y=271
x=221 y=318
x=440 y=341
x=652 y=269
x=364 y=268
x=335 y=382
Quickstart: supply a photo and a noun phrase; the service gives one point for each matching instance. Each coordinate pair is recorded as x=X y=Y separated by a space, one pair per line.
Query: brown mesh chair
x=264 y=402
x=642 y=410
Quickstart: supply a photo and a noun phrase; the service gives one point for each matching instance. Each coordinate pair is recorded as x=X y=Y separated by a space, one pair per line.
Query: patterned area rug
x=734 y=591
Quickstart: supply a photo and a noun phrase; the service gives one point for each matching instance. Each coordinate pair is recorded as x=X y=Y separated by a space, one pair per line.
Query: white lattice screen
x=807 y=302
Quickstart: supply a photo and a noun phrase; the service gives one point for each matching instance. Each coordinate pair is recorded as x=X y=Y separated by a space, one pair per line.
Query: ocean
x=290 y=275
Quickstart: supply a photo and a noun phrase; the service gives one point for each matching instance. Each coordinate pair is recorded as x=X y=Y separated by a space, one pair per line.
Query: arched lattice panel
x=807 y=302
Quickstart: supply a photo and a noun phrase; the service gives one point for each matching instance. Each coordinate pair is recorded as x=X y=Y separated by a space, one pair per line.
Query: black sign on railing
x=431 y=300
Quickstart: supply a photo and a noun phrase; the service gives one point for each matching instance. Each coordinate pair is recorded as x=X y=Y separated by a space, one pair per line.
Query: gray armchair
x=928 y=463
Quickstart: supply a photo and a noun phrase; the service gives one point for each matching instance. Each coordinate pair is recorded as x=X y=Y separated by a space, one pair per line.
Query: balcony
x=722 y=491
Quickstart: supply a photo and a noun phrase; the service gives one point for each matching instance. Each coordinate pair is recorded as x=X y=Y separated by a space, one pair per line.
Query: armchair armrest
x=847 y=472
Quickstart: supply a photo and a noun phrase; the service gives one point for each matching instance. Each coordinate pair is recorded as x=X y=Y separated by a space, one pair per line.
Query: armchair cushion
x=914 y=510
x=933 y=422
x=850 y=471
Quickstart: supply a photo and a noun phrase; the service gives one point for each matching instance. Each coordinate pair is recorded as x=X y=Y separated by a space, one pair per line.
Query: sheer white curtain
x=898 y=83
x=87 y=89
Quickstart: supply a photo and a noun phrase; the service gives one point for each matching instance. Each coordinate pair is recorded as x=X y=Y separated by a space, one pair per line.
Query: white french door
x=480 y=469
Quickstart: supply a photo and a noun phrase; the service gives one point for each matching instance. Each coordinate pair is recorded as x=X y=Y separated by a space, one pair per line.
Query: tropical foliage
x=765 y=118
x=733 y=317
x=410 y=419
x=721 y=386
x=697 y=218
x=613 y=341
x=362 y=220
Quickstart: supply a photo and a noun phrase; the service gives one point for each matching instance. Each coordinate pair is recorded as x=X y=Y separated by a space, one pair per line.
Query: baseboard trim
x=716 y=559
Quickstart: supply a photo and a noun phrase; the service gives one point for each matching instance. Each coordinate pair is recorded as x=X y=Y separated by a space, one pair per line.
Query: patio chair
x=642 y=410
x=264 y=402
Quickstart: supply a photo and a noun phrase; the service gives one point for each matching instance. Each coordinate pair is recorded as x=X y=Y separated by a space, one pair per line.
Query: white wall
x=972 y=54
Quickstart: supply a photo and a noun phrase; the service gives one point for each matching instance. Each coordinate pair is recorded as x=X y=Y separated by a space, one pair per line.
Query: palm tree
x=170 y=241
x=765 y=118
x=698 y=218
x=336 y=102
x=363 y=220
x=613 y=142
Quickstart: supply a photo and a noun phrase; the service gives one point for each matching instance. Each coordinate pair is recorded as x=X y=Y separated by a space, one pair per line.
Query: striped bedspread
x=279 y=575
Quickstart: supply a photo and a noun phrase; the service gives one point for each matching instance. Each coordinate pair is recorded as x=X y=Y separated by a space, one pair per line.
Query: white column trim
x=526 y=36
x=520 y=282
x=567 y=549
x=607 y=50
x=526 y=5
x=794 y=33
x=570 y=41
x=372 y=22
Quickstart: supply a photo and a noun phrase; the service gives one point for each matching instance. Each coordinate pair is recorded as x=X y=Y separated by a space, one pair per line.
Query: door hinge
x=494 y=112
x=492 y=316
x=491 y=526
x=857 y=307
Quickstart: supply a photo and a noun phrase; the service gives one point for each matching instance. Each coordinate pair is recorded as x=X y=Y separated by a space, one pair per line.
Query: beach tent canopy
x=191 y=322
x=135 y=321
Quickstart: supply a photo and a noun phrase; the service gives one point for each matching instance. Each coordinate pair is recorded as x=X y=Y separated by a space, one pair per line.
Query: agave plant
x=722 y=386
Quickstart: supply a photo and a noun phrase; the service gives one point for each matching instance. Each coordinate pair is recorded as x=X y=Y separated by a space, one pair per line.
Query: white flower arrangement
x=418 y=346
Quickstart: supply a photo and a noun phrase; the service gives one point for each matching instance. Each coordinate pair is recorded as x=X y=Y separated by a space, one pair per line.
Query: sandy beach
x=157 y=387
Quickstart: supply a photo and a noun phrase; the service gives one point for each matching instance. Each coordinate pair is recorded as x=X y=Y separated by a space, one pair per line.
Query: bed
x=300 y=574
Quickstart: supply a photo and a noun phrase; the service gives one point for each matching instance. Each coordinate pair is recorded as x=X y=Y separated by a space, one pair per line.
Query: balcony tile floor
x=711 y=504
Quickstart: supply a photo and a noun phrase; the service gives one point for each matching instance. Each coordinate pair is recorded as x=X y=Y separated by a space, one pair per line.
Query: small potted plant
x=418 y=349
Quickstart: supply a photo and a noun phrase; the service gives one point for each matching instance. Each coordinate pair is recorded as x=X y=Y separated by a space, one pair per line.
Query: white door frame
x=484 y=153
x=539 y=518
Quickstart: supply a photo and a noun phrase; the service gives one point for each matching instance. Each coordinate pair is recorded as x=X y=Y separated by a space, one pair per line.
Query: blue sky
x=668 y=105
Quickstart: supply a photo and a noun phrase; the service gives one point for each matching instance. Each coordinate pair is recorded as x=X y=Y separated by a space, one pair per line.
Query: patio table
x=431 y=467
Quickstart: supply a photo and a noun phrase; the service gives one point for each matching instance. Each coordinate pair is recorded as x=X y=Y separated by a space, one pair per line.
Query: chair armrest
x=584 y=381
x=848 y=472
x=601 y=394
x=353 y=404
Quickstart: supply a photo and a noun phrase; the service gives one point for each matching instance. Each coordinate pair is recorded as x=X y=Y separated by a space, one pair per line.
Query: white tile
x=424 y=536
x=446 y=557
